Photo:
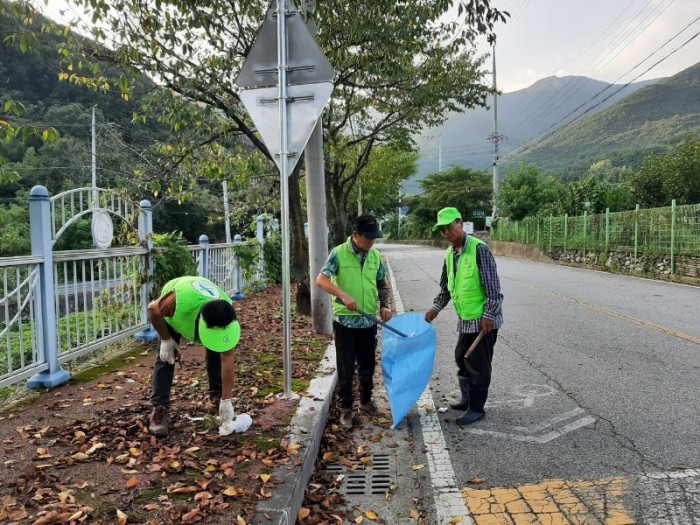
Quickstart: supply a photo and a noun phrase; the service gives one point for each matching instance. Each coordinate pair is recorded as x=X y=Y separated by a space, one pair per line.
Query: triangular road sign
x=306 y=63
x=304 y=106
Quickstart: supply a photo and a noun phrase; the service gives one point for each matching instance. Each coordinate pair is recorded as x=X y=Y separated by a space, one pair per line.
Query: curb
x=306 y=429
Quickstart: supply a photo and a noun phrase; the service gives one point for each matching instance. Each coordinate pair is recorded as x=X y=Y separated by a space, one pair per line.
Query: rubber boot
x=475 y=412
x=463 y=403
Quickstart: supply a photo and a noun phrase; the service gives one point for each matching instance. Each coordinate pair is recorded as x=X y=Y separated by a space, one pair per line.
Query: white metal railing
x=18 y=316
x=98 y=298
x=57 y=306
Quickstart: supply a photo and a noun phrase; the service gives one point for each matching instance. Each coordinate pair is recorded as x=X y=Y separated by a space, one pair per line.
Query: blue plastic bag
x=407 y=362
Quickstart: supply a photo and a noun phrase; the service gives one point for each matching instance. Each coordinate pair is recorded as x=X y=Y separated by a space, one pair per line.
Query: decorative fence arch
x=60 y=305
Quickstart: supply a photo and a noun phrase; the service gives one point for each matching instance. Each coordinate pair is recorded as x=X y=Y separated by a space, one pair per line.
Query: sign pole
x=283 y=165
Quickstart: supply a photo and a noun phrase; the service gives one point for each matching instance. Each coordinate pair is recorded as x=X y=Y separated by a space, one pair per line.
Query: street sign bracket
x=298 y=98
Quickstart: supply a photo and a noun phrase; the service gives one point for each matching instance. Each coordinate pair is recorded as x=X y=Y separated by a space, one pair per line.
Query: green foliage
x=78 y=236
x=172 y=259
x=272 y=258
x=248 y=256
x=467 y=190
x=526 y=191
x=14 y=230
x=380 y=179
x=671 y=175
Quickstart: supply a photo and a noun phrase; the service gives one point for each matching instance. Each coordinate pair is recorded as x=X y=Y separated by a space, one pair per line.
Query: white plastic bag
x=239 y=425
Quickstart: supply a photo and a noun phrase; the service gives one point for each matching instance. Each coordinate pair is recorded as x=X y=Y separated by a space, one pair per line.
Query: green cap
x=219 y=339
x=447 y=216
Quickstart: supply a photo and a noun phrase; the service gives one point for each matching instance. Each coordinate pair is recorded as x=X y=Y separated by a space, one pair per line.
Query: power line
x=543 y=137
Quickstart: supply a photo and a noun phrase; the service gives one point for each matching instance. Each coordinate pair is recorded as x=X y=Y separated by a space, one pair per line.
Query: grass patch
x=118 y=362
x=269 y=358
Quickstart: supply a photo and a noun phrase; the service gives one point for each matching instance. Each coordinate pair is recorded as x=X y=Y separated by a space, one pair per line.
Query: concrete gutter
x=306 y=429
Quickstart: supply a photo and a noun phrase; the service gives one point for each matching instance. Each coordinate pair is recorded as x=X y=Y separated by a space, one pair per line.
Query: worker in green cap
x=470 y=279
x=198 y=310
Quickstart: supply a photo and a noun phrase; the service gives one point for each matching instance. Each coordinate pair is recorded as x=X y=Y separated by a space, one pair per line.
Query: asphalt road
x=594 y=412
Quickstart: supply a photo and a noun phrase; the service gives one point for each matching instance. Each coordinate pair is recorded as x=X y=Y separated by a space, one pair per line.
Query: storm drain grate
x=376 y=478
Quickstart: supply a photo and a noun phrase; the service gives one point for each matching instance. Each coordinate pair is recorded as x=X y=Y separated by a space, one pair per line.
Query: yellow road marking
x=551 y=502
x=608 y=311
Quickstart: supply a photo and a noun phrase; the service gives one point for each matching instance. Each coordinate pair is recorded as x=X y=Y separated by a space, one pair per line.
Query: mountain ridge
x=523 y=115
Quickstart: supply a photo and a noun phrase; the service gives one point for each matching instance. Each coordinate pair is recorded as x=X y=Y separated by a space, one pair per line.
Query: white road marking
x=549 y=422
x=557 y=432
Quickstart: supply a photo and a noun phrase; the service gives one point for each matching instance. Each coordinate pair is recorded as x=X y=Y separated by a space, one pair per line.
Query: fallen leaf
x=370 y=514
x=359 y=519
x=191 y=516
x=303 y=513
x=121 y=517
x=265 y=477
x=413 y=514
x=476 y=481
x=131 y=483
x=456 y=519
x=418 y=467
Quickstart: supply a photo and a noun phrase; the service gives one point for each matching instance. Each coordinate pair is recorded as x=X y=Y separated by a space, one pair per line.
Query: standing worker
x=198 y=310
x=354 y=273
x=469 y=277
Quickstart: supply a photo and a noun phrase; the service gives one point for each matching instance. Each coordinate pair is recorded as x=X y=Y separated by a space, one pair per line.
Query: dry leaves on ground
x=82 y=454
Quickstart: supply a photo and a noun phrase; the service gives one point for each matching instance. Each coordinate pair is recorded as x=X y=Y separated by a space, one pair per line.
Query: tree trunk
x=299 y=253
x=340 y=222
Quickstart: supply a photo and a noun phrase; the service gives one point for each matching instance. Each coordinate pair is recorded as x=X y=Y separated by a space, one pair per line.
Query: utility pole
x=316 y=211
x=495 y=137
x=440 y=153
x=94 y=158
x=227 y=220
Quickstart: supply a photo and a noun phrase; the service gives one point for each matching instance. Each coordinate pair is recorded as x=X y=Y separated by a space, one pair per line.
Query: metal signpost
x=285 y=93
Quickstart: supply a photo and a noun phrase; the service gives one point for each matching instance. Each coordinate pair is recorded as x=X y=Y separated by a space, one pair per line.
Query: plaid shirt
x=330 y=268
x=490 y=283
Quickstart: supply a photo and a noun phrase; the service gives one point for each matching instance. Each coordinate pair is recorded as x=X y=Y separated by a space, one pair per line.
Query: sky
x=610 y=40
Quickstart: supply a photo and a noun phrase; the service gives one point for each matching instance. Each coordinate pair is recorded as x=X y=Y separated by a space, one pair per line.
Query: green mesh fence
x=673 y=231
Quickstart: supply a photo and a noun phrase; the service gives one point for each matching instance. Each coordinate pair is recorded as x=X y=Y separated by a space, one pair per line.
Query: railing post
x=238 y=296
x=636 y=231
x=585 y=221
x=673 y=237
x=550 y=235
x=260 y=235
x=607 y=230
x=203 y=270
x=566 y=234
x=42 y=245
x=146 y=237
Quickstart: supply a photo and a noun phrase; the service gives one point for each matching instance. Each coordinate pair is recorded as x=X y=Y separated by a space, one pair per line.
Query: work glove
x=168 y=350
x=226 y=413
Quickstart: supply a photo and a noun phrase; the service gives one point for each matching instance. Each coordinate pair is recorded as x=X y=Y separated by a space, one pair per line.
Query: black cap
x=368 y=226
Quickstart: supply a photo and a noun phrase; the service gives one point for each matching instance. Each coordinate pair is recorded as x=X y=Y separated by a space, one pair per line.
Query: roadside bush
x=272 y=258
x=172 y=259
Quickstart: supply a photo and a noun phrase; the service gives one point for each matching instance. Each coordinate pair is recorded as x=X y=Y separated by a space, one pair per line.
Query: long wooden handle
x=474 y=344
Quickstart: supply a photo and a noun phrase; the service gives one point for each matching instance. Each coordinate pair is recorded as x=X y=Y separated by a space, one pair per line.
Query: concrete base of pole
x=147 y=335
x=48 y=379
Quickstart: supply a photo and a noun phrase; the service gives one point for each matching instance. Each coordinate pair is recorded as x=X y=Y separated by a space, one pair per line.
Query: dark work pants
x=355 y=345
x=480 y=360
x=163 y=374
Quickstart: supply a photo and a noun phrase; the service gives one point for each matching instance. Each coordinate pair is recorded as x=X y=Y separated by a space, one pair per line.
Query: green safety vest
x=360 y=282
x=191 y=293
x=464 y=286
